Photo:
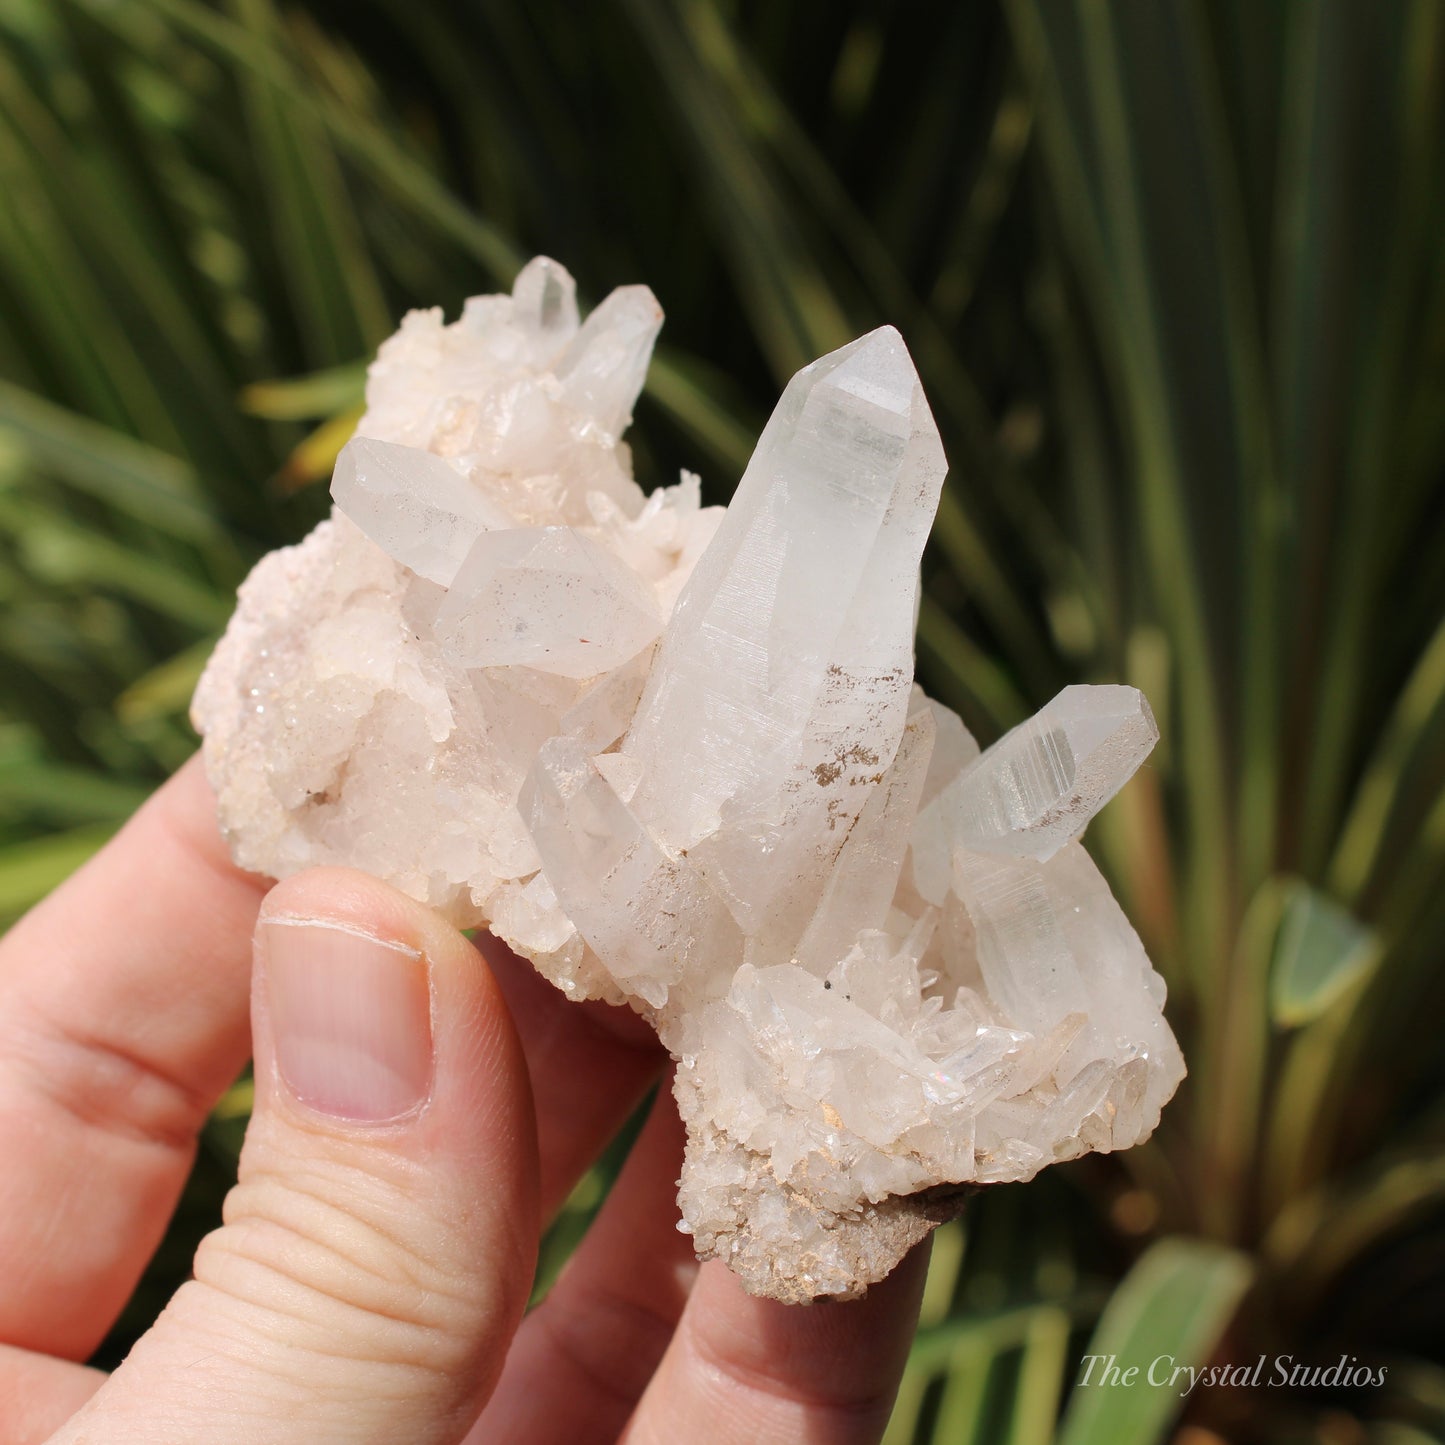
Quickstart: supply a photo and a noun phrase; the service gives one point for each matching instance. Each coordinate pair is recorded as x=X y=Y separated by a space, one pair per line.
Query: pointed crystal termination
x=544 y=298
x=835 y=505
x=413 y=504
x=547 y=598
x=603 y=370
x=1039 y=785
x=781 y=686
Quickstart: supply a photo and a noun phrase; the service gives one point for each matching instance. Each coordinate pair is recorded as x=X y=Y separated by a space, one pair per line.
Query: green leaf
x=1320 y=952
x=1174 y=1304
x=1040 y=1378
x=1359 y=176
x=307 y=398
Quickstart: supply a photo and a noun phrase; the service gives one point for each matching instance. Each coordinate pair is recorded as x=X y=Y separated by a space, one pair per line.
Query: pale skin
x=369 y=1281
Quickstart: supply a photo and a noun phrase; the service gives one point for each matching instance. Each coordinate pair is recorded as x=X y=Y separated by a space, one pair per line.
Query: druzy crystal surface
x=675 y=756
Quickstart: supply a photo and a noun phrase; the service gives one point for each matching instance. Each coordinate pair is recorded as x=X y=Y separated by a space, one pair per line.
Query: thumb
x=379 y=1245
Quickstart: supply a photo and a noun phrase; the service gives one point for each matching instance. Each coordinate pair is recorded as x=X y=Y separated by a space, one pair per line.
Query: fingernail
x=350 y=1018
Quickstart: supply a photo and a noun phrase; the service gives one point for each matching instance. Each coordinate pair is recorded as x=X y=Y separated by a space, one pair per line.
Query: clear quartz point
x=1038 y=786
x=781 y=685
x=414 y=505
x=544 y=301
x=603 y=369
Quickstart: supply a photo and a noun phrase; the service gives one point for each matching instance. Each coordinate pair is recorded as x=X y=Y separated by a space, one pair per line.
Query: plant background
x=1172 y=273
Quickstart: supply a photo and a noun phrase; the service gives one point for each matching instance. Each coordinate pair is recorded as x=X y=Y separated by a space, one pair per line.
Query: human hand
x=418 y=1116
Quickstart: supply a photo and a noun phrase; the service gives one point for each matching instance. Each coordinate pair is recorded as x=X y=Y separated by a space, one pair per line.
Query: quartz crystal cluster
x=674 y=755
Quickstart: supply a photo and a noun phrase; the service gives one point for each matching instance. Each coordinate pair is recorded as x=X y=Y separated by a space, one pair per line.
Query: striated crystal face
x=675 y=757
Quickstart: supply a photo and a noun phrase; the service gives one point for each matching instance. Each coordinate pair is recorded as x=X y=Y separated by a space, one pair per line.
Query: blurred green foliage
x=1171 y=271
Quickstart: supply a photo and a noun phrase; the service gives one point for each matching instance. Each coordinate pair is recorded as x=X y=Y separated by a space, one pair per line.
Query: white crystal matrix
x=675 y=756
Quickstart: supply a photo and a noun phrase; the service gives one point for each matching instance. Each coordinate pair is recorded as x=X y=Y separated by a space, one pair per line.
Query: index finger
x=123 y=1016
x=745 y=1371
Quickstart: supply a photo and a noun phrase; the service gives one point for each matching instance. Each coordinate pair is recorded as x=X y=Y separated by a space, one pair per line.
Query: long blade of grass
x=1302 y=1131
x=412 y=184
x=68 y=556
x=150 y=485
x=965 y=677
x=1231 y=1094
x=373 y=149
x=68 y=316
x=944 y=1265
x=106 y=206
x=1414 y=734
x=335 y=294
x=793 y=312
x=1040 y=1378
x=1073 y=55
x=970 y=1402
x=1175 y=1303
x=1323 y=1233
x=1351 y=256
x=307 y=398
x=734 y=120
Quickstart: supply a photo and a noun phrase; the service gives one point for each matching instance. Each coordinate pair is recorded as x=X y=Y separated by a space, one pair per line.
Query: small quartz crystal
x=674 y=755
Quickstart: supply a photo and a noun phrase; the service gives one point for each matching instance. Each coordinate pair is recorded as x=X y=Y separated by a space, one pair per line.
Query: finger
x=38 y=1393
x=748 y=1370
x=590 y=1065
x=123 y=1002
x=583 y=1357
x=378 y=1248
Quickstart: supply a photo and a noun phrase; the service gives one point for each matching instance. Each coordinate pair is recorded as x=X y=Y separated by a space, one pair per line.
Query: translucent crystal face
x=677 y=759
x=417 y=507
